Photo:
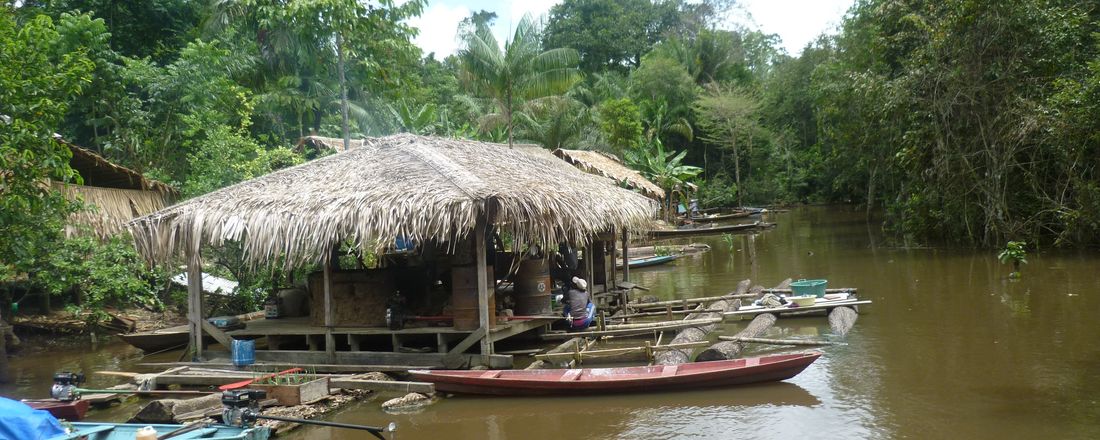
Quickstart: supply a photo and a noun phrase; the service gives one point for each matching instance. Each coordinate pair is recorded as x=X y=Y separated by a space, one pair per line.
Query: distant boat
x=128 y=431
x=649 y=261
x=72 y=410
x=172 y=337
x=704 y=230
x=722 y=217
x=621 y=380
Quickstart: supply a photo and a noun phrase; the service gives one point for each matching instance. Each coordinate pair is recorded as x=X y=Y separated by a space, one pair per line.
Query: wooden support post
x=194 y=303
x=480 y=254
x=330 y=340
x=626 y=257
x=613 y=281
x=590 y=264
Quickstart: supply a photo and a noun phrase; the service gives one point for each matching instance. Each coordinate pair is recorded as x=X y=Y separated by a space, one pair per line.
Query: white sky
x=797 y=22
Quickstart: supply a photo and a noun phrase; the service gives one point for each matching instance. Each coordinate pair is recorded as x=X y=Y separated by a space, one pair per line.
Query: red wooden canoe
x=72 y=410
x=622 y=380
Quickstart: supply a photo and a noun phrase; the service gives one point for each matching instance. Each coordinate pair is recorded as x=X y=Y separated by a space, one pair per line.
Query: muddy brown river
x=950 y=349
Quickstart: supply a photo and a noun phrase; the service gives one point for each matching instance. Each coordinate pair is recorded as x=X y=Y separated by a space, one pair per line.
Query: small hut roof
x=404 y=185
x=334 y=144
x=98 y=171
x=611 y=167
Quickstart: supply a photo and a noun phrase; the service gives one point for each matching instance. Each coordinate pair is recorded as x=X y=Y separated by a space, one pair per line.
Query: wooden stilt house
x=438 y=215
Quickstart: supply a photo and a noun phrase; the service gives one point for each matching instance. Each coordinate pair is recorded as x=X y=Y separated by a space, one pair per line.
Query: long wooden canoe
x=721 y=217
x=665 y=233
x=172 y=337
x=619 y=380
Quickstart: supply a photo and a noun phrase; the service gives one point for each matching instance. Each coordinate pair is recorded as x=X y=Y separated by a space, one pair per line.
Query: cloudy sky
x=797 y=21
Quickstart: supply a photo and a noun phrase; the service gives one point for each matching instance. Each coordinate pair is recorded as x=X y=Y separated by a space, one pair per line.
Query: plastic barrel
x=244 y=352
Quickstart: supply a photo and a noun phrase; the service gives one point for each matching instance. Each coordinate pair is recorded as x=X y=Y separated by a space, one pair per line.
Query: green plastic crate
x=809 y=287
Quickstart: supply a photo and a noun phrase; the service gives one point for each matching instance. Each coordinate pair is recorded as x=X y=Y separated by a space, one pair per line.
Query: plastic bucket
x=809 y=287
x=244 y=352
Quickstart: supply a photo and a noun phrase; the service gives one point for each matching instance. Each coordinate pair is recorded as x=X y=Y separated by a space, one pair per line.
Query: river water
x=951 y=348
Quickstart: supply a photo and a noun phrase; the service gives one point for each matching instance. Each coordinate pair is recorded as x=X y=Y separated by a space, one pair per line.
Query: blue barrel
x=244 y=352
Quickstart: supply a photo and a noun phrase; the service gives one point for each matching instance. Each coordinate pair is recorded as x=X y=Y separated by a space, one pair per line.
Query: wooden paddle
x=247 y=382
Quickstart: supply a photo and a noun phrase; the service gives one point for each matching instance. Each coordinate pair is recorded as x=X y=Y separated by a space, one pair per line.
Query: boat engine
x=241 y=406
x=65 y=386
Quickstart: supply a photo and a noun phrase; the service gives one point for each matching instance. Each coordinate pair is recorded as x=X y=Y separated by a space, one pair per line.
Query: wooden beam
x=469 y=341
x=480 y=255
x=300 y=357
x=626 y=256
x=785 y=310
x=776 y=341
x=629 y=331
x=382 y=385
x=276 y=366
x=194 y=303
x=330 y=340
x=218 y=334
x=613 y=282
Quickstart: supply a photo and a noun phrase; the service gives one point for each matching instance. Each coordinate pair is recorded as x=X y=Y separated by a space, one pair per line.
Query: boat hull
x=128 y=431
x=664 y=233
x=619 y=380
x=650 y=261
x=71 y=410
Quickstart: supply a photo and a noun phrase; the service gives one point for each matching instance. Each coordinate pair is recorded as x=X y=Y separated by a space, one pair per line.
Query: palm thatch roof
x=112 y=194
x=611 y=167
x=416 y=187
x=107 y=210
x=98 y=171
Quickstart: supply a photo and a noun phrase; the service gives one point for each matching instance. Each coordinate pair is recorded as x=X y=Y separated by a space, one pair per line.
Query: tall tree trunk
x=737 y=172
x=343 y=89
x=871 y=189
x=508 y=116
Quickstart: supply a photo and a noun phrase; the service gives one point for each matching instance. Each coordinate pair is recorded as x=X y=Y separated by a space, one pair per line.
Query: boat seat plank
x=492 y=374
x=570 y=375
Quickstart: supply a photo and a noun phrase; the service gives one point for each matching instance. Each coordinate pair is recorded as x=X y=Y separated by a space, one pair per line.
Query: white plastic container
x=146 y=433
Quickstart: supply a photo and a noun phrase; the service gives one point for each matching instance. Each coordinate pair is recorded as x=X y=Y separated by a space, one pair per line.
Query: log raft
x=697 y=334
x=731 y=349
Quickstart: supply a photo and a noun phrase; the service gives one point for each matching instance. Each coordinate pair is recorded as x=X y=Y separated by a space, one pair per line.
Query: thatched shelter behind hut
x=113 y=195
x=609 y=166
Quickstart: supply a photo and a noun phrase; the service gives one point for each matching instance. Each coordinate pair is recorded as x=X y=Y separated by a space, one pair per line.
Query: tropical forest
x=951 y=122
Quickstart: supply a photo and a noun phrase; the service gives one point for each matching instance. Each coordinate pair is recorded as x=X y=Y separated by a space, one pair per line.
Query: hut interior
x=459 y=230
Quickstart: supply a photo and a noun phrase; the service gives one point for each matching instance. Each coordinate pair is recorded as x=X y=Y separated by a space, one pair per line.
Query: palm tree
x=520 y=72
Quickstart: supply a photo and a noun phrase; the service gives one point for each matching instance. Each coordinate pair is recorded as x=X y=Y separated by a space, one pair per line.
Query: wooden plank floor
x=301 y=326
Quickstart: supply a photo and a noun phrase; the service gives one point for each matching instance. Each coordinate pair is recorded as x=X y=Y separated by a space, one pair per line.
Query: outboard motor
x=241 y=406
x=65 y=386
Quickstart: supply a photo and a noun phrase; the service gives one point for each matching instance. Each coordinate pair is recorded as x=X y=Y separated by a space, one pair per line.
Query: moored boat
x=128 y=431
x=623 y=379
x=172 y=337
x=69 y=410
x=704 y=230
x=649 y=261
x=720 y=217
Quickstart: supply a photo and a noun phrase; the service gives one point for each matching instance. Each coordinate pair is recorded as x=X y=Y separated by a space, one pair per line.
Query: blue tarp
x=21 y=422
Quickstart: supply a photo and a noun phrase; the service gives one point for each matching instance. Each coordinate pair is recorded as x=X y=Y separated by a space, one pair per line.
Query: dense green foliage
x=972 y=122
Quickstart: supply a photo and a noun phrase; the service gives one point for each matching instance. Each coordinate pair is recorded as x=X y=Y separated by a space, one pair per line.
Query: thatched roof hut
x=609 y=166
x=114 y=194
x=408 y=186
x=326 y=143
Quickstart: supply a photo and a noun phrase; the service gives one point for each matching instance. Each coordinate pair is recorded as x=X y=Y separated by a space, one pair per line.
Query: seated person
x=578 y=305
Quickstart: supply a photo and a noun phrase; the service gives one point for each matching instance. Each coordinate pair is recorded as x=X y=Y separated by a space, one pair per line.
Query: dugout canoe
x=705 y=230
x=619 y=380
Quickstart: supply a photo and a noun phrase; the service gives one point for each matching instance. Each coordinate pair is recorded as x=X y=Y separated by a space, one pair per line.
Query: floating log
x=169 y=410
x=697 y=334
x=688 y=301
x=563 y=347
x=731 y=349
x=841 y=320
x=837 y=290
x=776 y=341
